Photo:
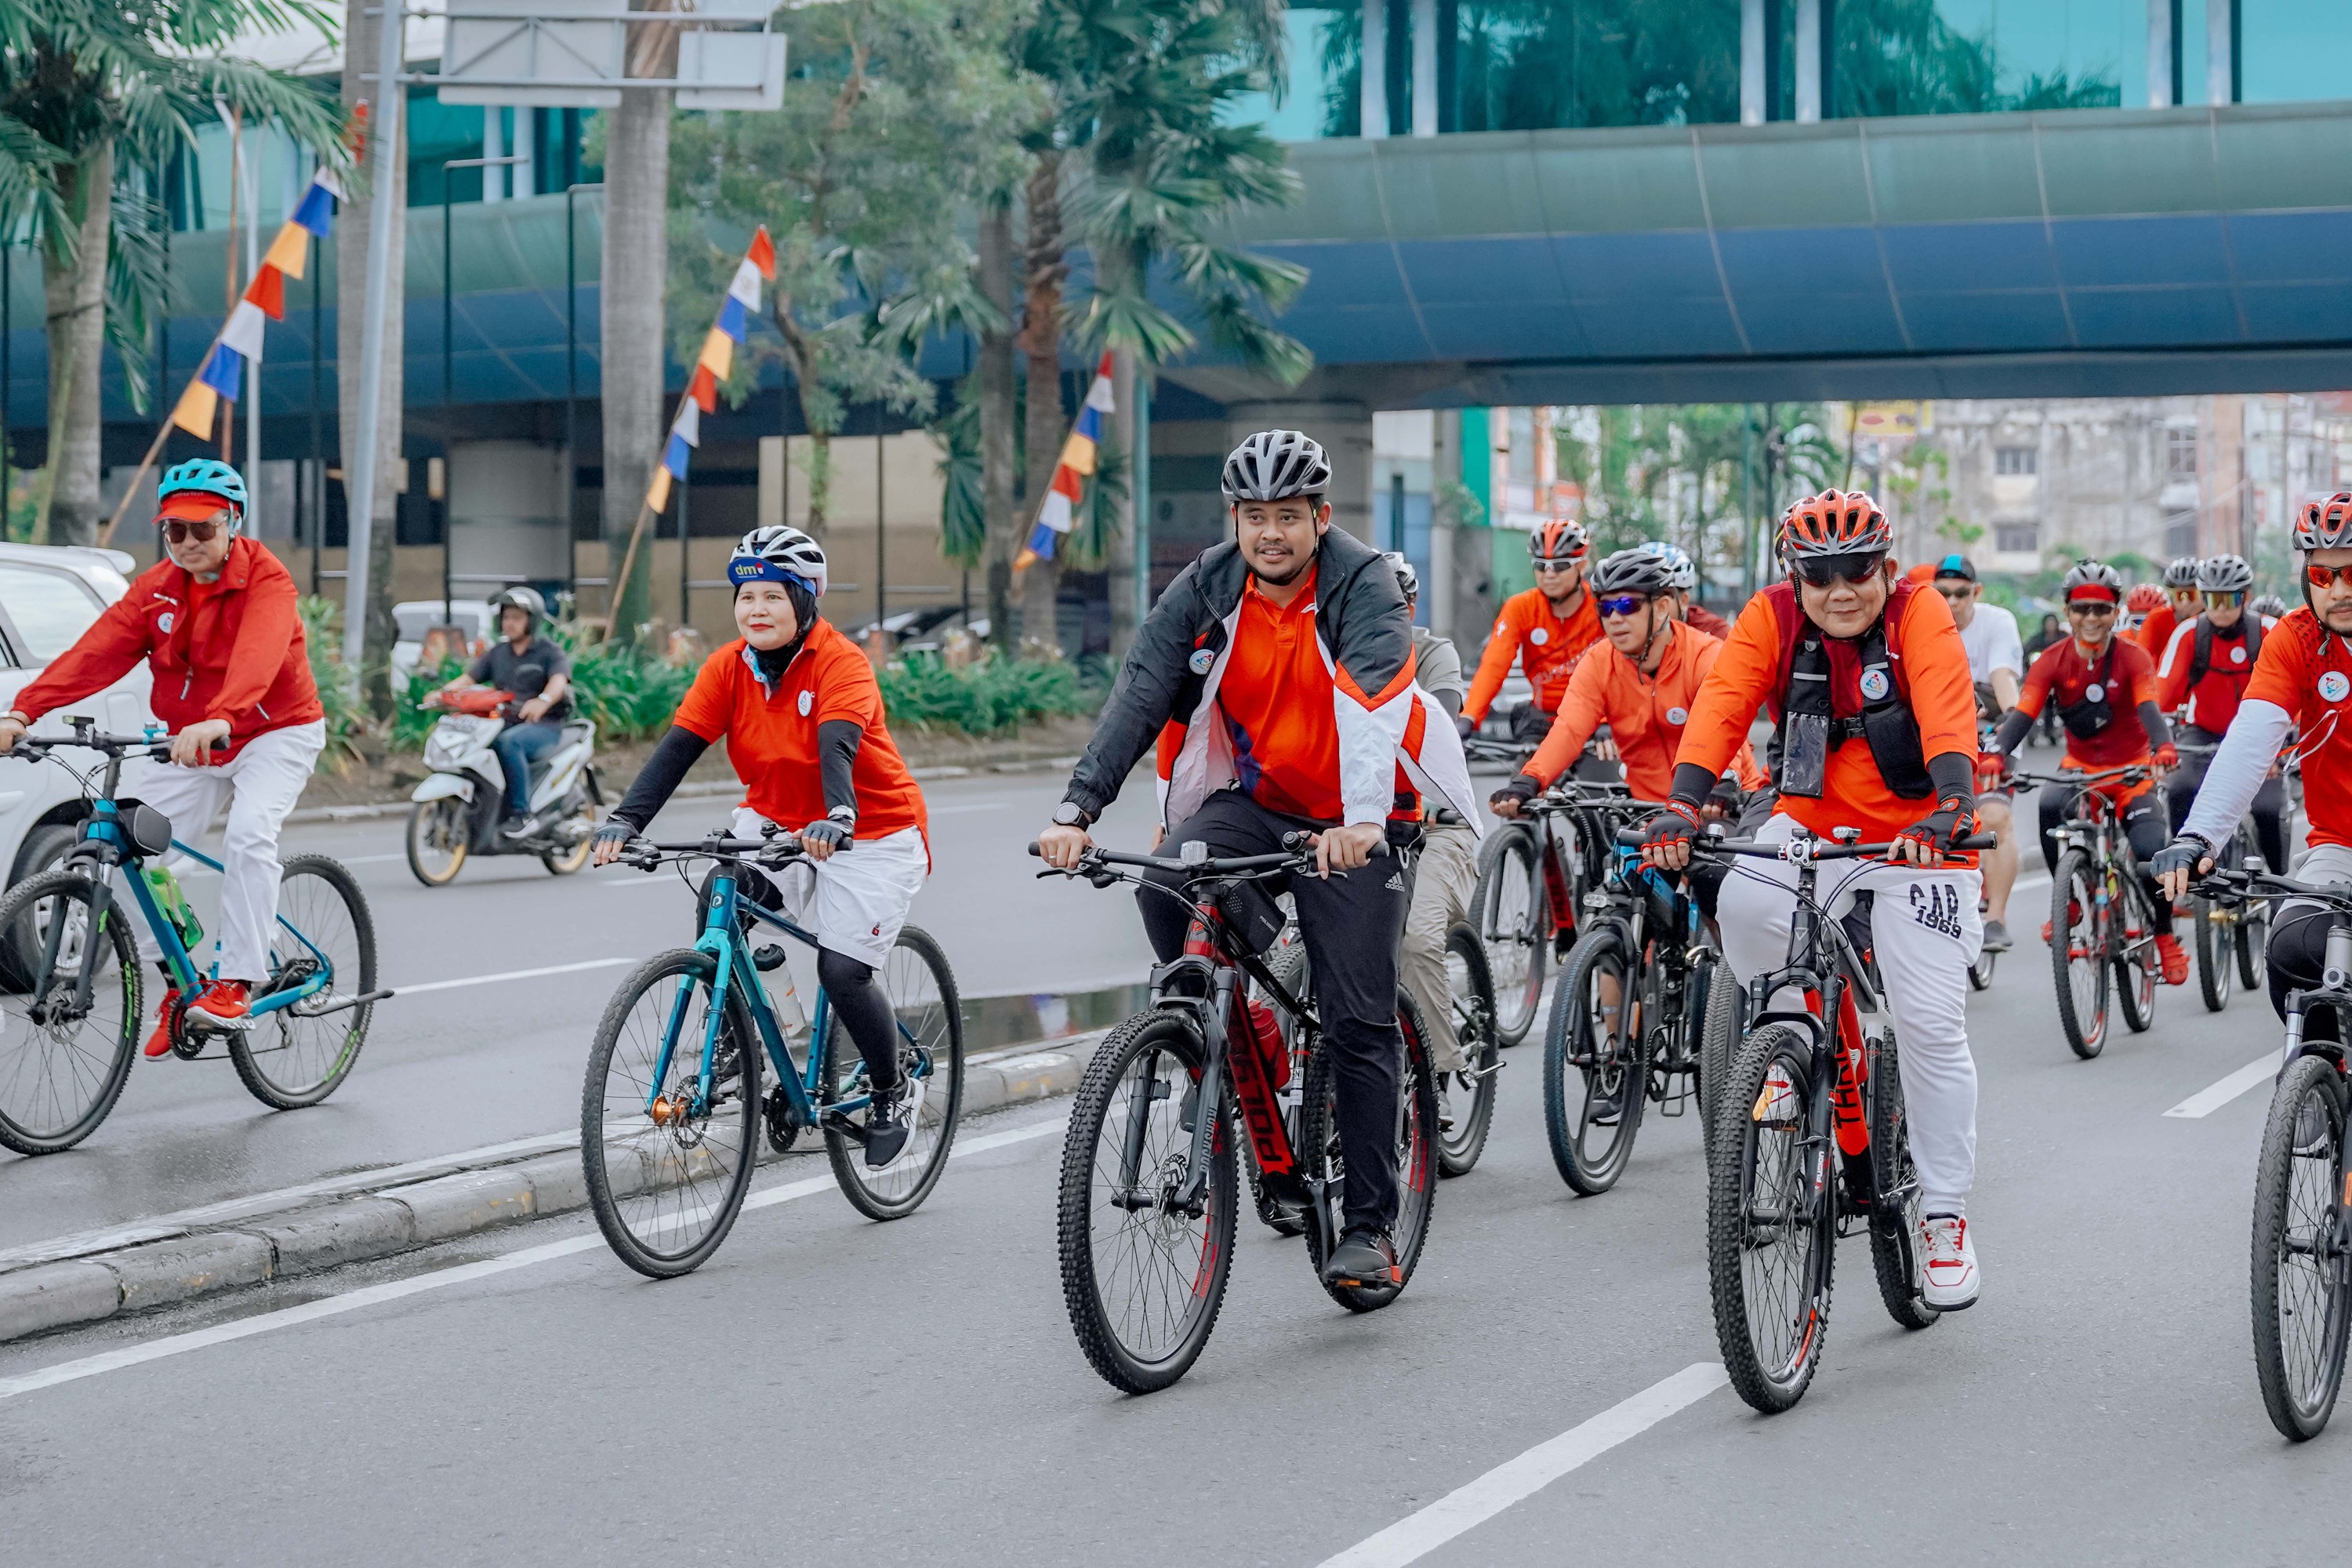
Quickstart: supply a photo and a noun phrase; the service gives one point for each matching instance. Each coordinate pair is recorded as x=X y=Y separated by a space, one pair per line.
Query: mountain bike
x=2102 y=926
x=670 y=1114
x=1637 y=1015
x=1809 y=1139
x=2302 y=1253
x=1533 y=873
x=1148 y=1196
x=2230 y=933
x=70 y=1008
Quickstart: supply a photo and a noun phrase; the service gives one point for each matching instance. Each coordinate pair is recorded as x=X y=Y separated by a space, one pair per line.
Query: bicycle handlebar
x=1298 y=855
x=1760 y=849
x=2221 y=883
x=2131 y=771
x=646 y=855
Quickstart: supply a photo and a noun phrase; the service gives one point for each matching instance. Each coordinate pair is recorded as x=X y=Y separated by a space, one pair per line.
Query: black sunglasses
x=180 y=532
x=1856 y=566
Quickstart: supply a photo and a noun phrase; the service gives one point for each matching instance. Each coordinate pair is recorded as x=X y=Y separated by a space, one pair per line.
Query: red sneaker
x=2074 y=918
x=2175 y=961
x=222 y=1003
x=159 y=1044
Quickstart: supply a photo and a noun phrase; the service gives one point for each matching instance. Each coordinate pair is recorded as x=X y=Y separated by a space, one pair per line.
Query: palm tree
x=85 y=91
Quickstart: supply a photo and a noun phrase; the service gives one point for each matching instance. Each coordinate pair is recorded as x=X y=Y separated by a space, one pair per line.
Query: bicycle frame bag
x=148 y=830
x=1251 y=917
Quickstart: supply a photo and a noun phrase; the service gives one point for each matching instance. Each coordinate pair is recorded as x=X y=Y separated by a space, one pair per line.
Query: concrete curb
x=313 y=1234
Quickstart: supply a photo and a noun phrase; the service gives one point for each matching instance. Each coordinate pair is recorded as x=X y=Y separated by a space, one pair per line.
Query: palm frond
x=135 y=284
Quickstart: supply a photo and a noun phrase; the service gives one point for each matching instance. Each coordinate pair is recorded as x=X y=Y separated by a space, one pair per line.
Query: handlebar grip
x=1979 y=841
x=1036 y=849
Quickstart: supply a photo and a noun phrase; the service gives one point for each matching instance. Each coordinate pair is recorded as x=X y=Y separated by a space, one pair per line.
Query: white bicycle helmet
x=1407 y=577
x=1277 y=465
x=2181 y=572
x=2093 y=580
x=775 y=555
x=1682 y=572
x=2224 y=574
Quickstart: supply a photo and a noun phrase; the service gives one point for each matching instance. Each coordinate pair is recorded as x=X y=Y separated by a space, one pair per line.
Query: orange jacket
x=230 y=649
x=1546 y=647
x=1749 y=674
x=1646 y=713
x=2155 y=634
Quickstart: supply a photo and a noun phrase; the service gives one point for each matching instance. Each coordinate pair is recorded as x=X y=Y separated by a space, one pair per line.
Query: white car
x=49 y=596
x=412 y=618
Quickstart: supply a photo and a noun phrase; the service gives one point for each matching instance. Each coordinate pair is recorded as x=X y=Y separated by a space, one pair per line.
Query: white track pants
x=260 y=786
x=1444 y=875
x=1926 y=933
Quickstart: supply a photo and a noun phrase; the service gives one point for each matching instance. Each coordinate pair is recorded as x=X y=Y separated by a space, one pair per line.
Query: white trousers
x=1444 y=875
x=1926 y=932
x=260 y=785
x=856 y=900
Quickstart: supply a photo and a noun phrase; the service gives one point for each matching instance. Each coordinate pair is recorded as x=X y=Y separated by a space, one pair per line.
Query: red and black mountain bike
x=1149 y=1187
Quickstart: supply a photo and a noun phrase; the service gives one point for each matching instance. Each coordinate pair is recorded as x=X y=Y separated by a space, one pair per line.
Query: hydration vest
x=2092 y=714
x=1810 y=727
x=2201 y=657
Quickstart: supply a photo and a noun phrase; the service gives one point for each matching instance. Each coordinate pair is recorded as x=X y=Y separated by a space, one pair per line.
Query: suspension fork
x=1210 y=1106
x=101 y=899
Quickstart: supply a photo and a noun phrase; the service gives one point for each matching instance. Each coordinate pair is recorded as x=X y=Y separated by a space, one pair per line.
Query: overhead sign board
x=573 y=54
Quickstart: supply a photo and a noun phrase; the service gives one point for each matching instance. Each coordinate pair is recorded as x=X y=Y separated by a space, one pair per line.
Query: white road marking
x=961 y=808
x=2206 y=1101
x=1515 y=1480
x=510 y=975
x=464 y=1273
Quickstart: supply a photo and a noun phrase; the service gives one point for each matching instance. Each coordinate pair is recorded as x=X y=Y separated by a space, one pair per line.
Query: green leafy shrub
x=630 y=695
x=411 y=722
x=987 y=698
x=322 y=642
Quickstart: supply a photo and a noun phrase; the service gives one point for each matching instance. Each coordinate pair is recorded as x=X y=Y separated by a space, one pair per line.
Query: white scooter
x=459 y=806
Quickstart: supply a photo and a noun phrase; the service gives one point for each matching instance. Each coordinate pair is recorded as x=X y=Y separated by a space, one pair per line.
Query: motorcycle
x=456 y=810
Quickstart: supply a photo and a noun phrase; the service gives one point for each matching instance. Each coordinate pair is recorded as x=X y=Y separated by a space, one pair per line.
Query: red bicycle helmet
x=2326 y=524
x=1834 y=523
x=1561 y=539
x=2143 y=599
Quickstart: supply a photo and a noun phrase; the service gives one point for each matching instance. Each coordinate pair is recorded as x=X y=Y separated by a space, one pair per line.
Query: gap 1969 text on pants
x=1926 y=932
x=260 y=784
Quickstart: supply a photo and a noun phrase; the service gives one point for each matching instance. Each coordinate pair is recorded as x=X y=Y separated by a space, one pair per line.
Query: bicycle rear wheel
x=2302 y=1294
x=1770 y=1222
x=2078 y=954
x=1143 y=1272
x=1514 y=917
x=299 y=1053
x=1596 y=1062
x=922 y=992
x=1465 y=1100
x=2135 y=958
x=1416 y=1156
x=1894 y=1195
x=62 y=1066
x=666 y=1177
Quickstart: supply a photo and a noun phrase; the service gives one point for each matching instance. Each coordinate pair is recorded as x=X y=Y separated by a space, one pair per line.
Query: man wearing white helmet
x=1685 y=573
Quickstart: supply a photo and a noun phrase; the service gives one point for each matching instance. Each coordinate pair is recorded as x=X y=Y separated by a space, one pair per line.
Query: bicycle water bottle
x=789 y=1017
x=166 y=888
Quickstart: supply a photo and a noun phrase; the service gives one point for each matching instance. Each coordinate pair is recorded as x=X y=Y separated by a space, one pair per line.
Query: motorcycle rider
x=521 y=661
x=2203 y=677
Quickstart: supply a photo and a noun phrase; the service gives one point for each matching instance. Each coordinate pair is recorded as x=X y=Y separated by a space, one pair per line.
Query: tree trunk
x=353 y=218
x=1040 y=341
x=76 y=300
x=997 y=411
x=636 y=238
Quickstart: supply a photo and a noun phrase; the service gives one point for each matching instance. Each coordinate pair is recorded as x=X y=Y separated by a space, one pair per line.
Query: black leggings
x=1352 y=924
x=2144 y=825
x=2269 y=801
x=848 y=982
x=2296 y=958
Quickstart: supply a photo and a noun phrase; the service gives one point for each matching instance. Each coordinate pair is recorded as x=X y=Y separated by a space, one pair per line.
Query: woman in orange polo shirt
x=801 y=716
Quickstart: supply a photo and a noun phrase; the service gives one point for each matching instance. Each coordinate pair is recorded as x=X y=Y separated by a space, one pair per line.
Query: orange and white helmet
x=2326 y=524
x=1834 y=523
x=2145 y=599
x=1561 y=539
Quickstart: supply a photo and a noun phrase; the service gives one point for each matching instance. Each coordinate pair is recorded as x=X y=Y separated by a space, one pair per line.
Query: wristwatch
x=846 y=816
x=1070 y=813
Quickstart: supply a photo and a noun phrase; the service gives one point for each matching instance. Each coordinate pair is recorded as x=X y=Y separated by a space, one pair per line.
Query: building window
x=2180 y=527
x=2016 y=538
x=2014 y=459
x=2180 y=454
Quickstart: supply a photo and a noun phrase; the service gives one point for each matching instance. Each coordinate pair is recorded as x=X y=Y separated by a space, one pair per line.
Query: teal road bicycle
x=671 y=1115
x=70 y=1009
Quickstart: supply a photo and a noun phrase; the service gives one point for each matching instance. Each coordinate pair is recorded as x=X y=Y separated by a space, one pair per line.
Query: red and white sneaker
x=2174 y=961
x=1947 y=1268
x=159 y=1044
x=222 y=1004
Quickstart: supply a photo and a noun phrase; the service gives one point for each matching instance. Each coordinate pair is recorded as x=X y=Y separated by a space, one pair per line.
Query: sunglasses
x=1568 y=565
x=1622 y=604
x=2320 y=576
x=2222 y=601
x=2090 y=607
x=180 y=532
x=1856 y=566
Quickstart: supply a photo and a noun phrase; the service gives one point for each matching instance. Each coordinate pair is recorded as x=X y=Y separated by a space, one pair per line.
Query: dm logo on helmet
x=2333 y=686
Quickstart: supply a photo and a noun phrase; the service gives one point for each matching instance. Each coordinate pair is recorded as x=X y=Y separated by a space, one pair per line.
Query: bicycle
x=671 y=1113
x=70 y=1002
x=2230 y=933
x=2089 y=944
x=1636 y=1014
x=2302 y=1243
x=1146 y=1209
x=1815 y=1096
x=1533 y=874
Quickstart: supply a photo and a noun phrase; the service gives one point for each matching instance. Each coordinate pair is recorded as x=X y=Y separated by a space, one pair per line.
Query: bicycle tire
x=933 y=996
x=1319 y=1144
x=1769 y=1379
x=1474 y=1025
x=1515 y=928
x=655 y=1162
x=427 y=818
x=1592 y=1170
x=1719 y=1030
x=1893 y=1230
x=2082 y=1019
x=98 y=1071
x=2135 y=973
x=2303 y=1137
x=1148 y=1039
x=1287 y=965
x=2251 y=938
x=332 y=1042
x=2216 y=953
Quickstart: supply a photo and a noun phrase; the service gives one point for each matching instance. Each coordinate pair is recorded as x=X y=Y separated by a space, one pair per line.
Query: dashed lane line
x=2208 y=1100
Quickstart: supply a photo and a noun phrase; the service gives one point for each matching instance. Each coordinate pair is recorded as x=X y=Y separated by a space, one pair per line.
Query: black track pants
x=2145 y=824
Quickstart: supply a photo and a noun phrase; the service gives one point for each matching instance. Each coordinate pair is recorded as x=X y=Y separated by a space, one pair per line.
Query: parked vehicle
x=412 y=618
x=459 y=806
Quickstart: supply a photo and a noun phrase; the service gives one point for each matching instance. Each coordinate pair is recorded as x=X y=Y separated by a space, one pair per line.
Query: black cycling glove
x=827 y=832
x=1522 y=789
x=1677 y=823
x=2186 y=853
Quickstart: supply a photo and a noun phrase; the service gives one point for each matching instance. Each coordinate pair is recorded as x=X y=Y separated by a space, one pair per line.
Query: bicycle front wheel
x=2251 y=938
x=922 y=994
x=2135 y=958
x=666 y=1169
x=62 y=1063
x=2078 y=955
x=1146 y=1248
x=1465 y=1099
x=2300 y=1262
x=2217 y=955
x=1513 y=918
x=1770 y=1222
x=1596 y=1069
x=301 y=1053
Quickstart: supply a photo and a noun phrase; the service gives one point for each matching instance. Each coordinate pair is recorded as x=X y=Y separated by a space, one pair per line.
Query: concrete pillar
x=1809 y=61
x=1445 y=488
x=1754 y=93
x=2221 y=72
x=1374 y=118
x=2159 y=54
x=1345 y=429
x=494 y=145
x=1424 y=68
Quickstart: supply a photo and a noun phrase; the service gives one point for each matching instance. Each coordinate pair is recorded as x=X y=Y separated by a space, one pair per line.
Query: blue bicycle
x=671 y=1113
x=70 y=1008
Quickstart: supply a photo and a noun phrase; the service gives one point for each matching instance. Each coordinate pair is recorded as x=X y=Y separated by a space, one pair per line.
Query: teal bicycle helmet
x=205 y=476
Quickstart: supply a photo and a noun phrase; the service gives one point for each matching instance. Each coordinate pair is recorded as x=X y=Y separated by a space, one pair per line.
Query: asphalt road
x=835 y=1392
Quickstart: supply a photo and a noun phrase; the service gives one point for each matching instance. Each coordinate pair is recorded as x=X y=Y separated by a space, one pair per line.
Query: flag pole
x=628 y=563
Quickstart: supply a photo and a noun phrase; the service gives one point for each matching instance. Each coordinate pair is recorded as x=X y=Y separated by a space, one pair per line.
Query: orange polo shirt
x=1276 y=700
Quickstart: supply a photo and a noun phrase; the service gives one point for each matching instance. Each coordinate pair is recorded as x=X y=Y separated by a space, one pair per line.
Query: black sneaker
x=1364 y=1256
x=1607 y=1106
x=888 y=1120
x=1995 y=937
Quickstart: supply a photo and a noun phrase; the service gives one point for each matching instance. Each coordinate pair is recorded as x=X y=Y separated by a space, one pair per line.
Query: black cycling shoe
x=768 y=959
x=1364 y=1256
x=1606 y=1107
x=888 y=1120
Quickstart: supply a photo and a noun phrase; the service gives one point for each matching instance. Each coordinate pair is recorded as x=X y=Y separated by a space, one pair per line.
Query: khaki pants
x=1444 y=876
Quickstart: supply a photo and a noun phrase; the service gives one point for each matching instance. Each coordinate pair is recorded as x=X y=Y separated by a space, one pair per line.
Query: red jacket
x=229 y=649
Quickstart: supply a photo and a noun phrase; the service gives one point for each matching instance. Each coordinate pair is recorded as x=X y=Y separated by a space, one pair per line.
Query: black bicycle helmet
x=1277 y=465
x=1636 y=571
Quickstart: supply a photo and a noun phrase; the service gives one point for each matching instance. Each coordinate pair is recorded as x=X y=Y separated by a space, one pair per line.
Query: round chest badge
x=1873 y=683
x=1201 y=661
x=808 y=700
x=1539 y=637
x=164 y=623
x=2238 y=656
x=2333 y=686
x=1677 y=715
x=2094 y=692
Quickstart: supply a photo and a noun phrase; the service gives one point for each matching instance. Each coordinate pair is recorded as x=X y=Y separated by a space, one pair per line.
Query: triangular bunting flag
x=704 y=389
x=763 y=254
x=746 y=286
x=268 y=291
x=243 y=331
x=657 y=494
x=718 y=352
x=676 y=457
x=196 y=409
x=318 y=208
x=687 y=426
x=225 y=371
x=731 y=317
x=291 y=251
